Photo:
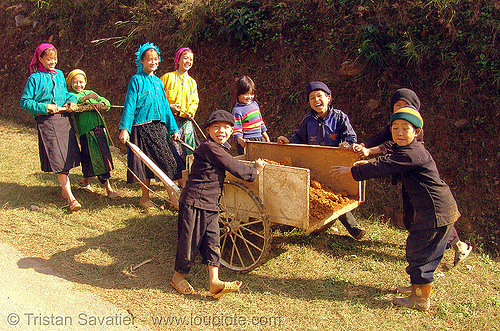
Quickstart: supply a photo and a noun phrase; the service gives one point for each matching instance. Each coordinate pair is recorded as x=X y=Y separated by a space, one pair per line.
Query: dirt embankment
x=359 y=51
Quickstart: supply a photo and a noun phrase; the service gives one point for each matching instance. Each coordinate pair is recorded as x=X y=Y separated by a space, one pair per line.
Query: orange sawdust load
x=323 y=201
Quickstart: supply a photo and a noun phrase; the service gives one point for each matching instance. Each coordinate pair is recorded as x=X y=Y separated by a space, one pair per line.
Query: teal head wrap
x=141 y=51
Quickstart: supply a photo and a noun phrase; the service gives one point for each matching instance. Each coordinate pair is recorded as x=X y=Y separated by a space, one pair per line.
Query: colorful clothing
x=146 y=102
x=329 y=131
x=96 y=156
x=94 y=140
x=57 y=143
x=248 y=121
x=148 y=118
x=152 y=138
x=44 y=88
x=87 y=120
x=182 y=90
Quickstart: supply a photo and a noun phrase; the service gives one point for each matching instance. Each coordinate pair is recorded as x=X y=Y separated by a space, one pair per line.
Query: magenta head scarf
x=178 y=55
x=35 y=64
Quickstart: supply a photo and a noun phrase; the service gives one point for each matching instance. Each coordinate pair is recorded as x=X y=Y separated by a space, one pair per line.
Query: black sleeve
x=379 y=138
x=218 y=156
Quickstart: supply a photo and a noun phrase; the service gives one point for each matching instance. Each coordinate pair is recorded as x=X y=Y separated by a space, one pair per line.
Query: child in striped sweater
x=249 y=124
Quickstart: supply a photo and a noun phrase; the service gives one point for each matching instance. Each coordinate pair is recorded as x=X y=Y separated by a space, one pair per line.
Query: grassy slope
x=316 y=282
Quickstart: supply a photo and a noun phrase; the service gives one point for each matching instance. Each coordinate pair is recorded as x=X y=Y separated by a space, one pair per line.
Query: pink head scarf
x=35 y=64
x=178 y=55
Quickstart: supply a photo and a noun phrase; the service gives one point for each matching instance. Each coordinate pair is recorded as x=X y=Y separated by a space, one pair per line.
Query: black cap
x=219 y=115
x=407 y=95
x=314 y=86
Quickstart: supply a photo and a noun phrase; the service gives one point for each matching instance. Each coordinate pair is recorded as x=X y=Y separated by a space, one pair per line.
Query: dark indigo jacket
x=433 y=202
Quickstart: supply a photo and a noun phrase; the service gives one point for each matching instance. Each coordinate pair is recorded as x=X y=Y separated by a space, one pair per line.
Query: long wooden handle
x=196 y=124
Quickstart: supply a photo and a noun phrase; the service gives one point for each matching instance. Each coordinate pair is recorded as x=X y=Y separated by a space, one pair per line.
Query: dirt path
x=33 y=298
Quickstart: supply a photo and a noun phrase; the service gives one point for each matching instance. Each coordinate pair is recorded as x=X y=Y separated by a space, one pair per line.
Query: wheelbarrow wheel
x=244 y=228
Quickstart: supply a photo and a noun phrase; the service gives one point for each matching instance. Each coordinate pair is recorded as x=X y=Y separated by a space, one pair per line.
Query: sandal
x=147 y=205
x=183 y=287
x=114 y=196
x=228 y=287
x=87 y=187
x=461 y=254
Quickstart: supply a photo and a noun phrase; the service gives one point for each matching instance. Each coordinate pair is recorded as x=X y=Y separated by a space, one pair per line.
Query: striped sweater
x=248 y=122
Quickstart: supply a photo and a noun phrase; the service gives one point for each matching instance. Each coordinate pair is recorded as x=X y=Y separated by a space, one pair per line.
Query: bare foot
x=216 y=286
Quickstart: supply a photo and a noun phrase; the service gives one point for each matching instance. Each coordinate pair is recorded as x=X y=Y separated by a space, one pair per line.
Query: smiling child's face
x=78 y=83
x=185 y=61
x=320 y=102
x=403 y=132
x=246 y=98
x=150 y=61
x=220 y=132
x=49 y=60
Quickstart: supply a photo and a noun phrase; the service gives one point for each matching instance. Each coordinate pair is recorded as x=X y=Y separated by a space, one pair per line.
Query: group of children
x=47 y=98
x=159 y=113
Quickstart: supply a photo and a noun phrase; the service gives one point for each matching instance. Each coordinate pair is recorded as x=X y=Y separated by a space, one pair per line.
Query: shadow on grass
x=329 y=289
x=22 y=196
x=338 y=245
x=108 y=260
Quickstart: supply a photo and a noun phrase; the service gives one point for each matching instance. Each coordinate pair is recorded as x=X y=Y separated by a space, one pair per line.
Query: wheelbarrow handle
x=185 y=144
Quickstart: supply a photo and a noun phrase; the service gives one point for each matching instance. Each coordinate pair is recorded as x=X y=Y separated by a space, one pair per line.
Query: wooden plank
x=284 y=192
x=318 y=159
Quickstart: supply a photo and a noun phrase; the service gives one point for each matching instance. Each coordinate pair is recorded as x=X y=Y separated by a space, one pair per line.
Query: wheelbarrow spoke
x=232 y=249
x=252 y=232
x=235 y=248
x=224 y=238
x=251 y=223
x=246 y=242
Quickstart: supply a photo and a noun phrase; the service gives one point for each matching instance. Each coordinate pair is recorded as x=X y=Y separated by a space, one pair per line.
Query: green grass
x=309 y=282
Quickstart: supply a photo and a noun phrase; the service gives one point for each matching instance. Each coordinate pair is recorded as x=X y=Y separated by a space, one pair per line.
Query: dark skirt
x=96 y=156
x=153 y=139
x=57 y=143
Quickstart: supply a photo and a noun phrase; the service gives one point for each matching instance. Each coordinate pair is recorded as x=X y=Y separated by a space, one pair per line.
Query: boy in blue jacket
x=326 y=126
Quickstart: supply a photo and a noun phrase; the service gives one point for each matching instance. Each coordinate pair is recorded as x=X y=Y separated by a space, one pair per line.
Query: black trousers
x=197 y=230
x=409 y=212
x=424 y=251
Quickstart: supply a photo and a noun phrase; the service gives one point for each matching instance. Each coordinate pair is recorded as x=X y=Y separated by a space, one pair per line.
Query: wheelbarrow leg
x=352 y=226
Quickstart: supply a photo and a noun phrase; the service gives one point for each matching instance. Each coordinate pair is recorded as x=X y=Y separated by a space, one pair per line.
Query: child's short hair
x=244 y=85
x=410 y=114
x=219 y=116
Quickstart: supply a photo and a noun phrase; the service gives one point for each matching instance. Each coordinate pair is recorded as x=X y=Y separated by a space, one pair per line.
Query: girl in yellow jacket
x=182 y=95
